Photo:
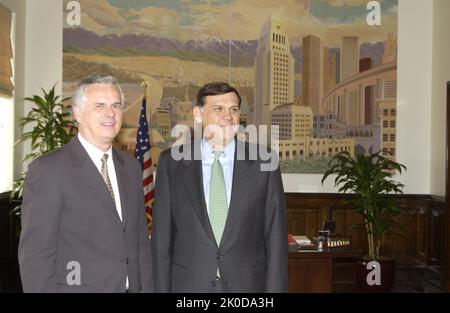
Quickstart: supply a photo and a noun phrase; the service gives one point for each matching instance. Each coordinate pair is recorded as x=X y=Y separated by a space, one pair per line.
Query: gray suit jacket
x=253 y=253
x=70 y=224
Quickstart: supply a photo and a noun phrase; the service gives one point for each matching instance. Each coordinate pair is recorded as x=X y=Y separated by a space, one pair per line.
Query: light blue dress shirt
x=227 y=162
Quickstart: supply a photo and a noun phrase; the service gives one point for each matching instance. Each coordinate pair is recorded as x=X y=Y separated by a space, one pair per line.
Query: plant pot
x=374 y=276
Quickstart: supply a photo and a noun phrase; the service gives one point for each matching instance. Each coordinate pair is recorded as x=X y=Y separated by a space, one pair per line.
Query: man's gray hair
x=78 y=94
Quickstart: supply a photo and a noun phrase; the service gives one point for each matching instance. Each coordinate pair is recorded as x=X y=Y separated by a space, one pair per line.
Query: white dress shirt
x=96 y=156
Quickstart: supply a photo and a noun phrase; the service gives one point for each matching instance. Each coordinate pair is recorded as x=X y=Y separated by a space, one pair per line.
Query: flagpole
x=145 y=84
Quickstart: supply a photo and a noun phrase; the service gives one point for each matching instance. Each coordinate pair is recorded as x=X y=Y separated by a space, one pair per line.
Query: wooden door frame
x=447 y=194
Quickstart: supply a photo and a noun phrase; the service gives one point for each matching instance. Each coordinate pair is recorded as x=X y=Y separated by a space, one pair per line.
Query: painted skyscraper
x=313 y=73
x=274 y=72
x=390 y=49
x=349 y=57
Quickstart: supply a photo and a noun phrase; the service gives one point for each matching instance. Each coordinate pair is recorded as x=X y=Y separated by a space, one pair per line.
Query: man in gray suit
x=83 y=216
x=219 y=220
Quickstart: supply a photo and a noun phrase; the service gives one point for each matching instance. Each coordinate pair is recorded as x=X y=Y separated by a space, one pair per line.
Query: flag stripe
x=148 y=188
x=149 y=197
x=147 y=173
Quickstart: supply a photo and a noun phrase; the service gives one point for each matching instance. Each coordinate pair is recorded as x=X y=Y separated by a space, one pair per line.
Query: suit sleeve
x=41 y=210
x=145 y=259
x=162 y=230
x=275 y=231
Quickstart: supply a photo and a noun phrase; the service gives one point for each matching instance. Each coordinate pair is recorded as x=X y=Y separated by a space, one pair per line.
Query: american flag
x=142 y=153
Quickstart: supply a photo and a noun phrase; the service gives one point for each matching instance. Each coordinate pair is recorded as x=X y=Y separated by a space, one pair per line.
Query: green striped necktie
x=218 y=207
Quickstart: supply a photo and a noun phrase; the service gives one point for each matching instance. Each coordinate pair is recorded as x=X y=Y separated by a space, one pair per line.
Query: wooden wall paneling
x=303 y=221
x=324 y=216
x=357 y=235
x=423 y=234
x=435 y=274
x=295 y=221
x=307 y=212
x=340 y=217
x=345 y=218
x=401 y=244
x=312 y=222
x=416 y=227
x=437 y=248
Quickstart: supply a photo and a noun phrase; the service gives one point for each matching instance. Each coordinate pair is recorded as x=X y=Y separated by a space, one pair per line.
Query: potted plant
x=370 y=179
x=52 y=128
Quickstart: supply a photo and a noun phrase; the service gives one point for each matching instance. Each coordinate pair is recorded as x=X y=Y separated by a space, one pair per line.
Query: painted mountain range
x=206 y=48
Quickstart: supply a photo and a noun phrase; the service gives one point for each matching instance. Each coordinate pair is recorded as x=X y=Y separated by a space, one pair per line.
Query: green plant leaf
x=51 y=130
x=369 y=177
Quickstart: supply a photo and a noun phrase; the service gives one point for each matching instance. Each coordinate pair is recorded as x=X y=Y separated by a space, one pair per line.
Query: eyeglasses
x=102 y=107
x=218 y=109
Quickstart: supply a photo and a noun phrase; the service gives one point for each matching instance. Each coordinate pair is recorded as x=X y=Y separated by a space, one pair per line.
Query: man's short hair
x=78 y=94
x=215 y=89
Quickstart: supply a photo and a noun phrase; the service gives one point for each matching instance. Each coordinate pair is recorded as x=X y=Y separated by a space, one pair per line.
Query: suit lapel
x=91 y=176
x=241 y=181
x=193 y=182
x=122 y=179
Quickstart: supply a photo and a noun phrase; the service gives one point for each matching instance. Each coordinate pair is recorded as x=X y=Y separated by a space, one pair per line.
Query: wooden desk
x=311 y=270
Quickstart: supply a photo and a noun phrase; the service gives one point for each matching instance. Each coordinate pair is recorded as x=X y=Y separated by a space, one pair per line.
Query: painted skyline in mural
x=315 y=68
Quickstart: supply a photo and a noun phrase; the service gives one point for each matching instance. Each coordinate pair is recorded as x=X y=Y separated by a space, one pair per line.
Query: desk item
x=302 y=240
x=339 y=243
x=333 y=242
x=329 y=226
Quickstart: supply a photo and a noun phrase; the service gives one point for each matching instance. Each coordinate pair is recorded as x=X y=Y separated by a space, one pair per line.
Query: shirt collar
x=207 y=151
x=95 y=153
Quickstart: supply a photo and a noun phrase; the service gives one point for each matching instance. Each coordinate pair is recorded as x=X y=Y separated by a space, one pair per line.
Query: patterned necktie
x=106 y=176
x=218 y=207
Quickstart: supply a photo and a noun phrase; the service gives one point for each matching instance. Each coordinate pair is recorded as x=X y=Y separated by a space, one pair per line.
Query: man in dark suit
x=219 y=220
x=83 y=216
